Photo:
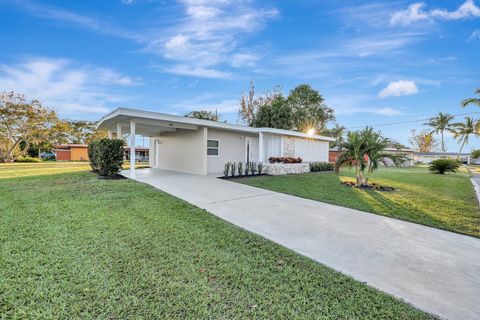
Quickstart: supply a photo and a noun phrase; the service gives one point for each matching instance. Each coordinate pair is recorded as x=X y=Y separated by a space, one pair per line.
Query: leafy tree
x=22 y=124
x=204 y=115
x=463 y=130
x=337 y=132
x=440 y=123
x=274 y=114
x=250 y=104
x=476 y=153
x=424 y=141
x=474 y=101
x=309 y=109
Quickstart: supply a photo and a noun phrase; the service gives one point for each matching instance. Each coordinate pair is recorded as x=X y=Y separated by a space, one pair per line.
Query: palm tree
x=376 y=145
x=440 y=124
x=469 y=101
x=353 y=154
x=463 y=130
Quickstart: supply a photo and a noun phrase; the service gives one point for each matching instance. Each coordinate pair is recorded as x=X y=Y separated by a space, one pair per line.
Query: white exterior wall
x=182 y=150
x=231 y=148
x=311 y=150
x=272 y=146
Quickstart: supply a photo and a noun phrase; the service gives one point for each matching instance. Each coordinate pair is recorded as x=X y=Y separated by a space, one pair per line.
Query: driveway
x=434 y=270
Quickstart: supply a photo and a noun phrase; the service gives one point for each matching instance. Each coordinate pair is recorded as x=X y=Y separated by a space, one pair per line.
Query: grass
x=74 y=246
x=25 y=169
x=442 y=201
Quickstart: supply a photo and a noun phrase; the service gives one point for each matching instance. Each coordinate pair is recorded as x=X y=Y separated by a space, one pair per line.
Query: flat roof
x=123 y=113
x=440 y=154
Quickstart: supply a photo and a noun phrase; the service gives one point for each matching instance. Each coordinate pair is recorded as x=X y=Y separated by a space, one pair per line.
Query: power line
x=404 y=122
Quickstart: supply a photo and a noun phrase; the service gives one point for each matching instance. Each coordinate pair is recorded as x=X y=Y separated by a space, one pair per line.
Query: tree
x=474 y=101
x=424 y=141
x=337 y=132
x=463 y=130
x=309 y=109
x=22 y=124
x=364 y=150
x=249 y=105
x=204 y=115
x=476 y=153
x=439 y=124
x=274 y=114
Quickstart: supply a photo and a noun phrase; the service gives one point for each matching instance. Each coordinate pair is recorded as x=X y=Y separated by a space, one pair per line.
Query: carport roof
x=151 y=120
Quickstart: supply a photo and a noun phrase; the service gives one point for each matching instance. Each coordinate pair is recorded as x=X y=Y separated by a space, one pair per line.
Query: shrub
x=476 y=154
x=240 y=168
x=226 y=169
x=441 y=166
x=93 y=148
x=234 y=169
x=28 y=159
x=260 y=168
x=253 y=167
x=106 y=156
x=321 y=166
x=284 y=160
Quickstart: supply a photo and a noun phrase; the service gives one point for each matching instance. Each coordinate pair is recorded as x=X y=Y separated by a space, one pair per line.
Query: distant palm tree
x=440 y=124
x=463 y=130
x=469 y=101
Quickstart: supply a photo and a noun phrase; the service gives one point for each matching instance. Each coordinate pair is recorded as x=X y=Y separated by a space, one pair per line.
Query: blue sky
x=374 y=62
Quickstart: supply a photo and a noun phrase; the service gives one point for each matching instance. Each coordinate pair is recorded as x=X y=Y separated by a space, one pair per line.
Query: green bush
x=28 y=159
x=106 y=156
x=476 y=153
x=441 y=166
x=321 y=166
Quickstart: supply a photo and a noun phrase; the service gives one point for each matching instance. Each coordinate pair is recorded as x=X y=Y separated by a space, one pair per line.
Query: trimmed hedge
x=106 y=156
x=285 y=160
x=27 y=159
x=321 y=166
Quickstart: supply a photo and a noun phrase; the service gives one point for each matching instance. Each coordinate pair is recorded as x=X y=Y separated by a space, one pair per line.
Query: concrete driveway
x=434 y=270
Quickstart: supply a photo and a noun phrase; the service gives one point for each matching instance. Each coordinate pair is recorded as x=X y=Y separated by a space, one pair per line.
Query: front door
x=252 y=149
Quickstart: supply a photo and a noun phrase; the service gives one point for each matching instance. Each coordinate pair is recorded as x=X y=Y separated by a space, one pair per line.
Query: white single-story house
x=202 y=147
x=427 y=157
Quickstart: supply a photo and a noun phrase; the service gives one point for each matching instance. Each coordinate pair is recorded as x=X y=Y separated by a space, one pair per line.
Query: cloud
x=63 y=85
x=475 y=35
x=415 y=13
x=207 y=37
x=399 y=88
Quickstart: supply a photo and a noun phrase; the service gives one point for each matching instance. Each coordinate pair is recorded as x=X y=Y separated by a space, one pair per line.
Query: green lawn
x=441 y=201
x=73 y=246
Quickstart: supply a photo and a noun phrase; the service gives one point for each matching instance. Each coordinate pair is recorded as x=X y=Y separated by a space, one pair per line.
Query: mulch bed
x=371 y=186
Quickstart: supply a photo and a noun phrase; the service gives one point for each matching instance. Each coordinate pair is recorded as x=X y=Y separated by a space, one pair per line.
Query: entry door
x=252 y=149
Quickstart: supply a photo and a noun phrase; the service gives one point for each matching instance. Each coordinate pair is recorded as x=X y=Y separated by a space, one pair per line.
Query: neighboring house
x=71 y=152
x=334 y=153
x=427 y=157
x=201 y=146
x=141 y=154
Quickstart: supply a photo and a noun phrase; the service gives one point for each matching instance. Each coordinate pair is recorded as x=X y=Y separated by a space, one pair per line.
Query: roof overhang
x=149 y=123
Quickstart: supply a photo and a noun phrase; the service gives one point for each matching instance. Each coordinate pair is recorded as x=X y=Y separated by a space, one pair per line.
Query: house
x=71 y=152
x=202 y=147
x=427 y=157
x=141 y=154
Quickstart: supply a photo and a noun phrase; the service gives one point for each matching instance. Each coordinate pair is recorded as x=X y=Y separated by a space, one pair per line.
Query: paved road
x=435 y=270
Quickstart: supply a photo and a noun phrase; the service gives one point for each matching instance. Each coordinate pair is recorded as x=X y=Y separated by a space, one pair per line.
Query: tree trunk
x=460 y=151
x=443 y=147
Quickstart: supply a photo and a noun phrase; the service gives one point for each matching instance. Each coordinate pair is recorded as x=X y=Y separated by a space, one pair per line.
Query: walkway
x=435 y=270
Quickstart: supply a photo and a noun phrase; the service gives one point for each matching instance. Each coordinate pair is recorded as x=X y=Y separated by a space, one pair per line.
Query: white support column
x=132 y=148
x=110 y=134
x=260 y=147
x=119 y=131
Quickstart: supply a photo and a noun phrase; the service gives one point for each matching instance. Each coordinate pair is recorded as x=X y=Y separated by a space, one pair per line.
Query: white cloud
x=475 y=35
x=399 y=88
x=195 y=71
x=415 y=13
x=208 y=37
x=64 y=86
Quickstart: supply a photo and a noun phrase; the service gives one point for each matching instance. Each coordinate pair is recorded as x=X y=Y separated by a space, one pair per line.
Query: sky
x=374 y=62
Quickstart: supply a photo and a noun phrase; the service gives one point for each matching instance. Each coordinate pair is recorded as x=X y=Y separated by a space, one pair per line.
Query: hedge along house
x=202 y=147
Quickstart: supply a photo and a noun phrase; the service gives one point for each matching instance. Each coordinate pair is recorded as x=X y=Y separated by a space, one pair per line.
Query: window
x=212 y=147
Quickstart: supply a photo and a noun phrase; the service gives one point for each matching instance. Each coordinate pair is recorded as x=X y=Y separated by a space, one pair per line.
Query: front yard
x=74 y=246
x=441 y=201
